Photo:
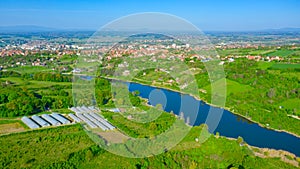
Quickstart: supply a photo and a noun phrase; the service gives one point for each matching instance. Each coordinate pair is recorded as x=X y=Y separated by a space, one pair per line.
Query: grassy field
x=254 y=51
x=282 y=53
x=34 y=84
x=291 y=104
x=236 y=52
x=264 y=65
x=44 y=84
x=135 y=129
x=232 y=87
x=41 y=147
x=16 y=80
x=8 y=121
x=261 y=52
x=30 y=69
x=285 y=66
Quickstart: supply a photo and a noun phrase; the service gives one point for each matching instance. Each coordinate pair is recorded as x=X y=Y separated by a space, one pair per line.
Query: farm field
x=282 y=53
x=11 y=126
x=285 y=66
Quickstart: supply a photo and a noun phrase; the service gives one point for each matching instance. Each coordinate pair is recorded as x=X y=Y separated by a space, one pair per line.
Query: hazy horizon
x=208 y=16
x=41 y=28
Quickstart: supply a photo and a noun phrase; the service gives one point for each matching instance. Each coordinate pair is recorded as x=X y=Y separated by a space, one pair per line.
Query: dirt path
x=11 y=128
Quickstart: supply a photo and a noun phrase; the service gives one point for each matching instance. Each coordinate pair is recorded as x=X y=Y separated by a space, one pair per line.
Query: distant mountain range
x=33 y=28
x=282 y=30
x=25 y=28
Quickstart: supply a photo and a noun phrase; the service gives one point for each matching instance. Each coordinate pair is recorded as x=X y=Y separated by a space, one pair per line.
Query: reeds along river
x=223 y=121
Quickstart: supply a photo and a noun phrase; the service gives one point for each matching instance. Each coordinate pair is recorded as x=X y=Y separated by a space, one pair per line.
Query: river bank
x=284 y=156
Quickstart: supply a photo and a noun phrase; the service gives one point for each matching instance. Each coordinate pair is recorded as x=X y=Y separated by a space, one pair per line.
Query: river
x=230 y=125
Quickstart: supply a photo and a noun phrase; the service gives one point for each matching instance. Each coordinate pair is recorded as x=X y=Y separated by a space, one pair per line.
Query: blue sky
x=224 y=15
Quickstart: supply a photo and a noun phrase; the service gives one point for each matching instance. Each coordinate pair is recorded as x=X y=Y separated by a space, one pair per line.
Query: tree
x=217 y=134
x=240 y=140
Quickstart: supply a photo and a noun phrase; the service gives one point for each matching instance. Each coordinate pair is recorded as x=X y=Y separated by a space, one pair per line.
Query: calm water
x=230 y=125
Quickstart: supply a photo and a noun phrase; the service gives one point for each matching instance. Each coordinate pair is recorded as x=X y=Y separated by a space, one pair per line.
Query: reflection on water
x=230 y=125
